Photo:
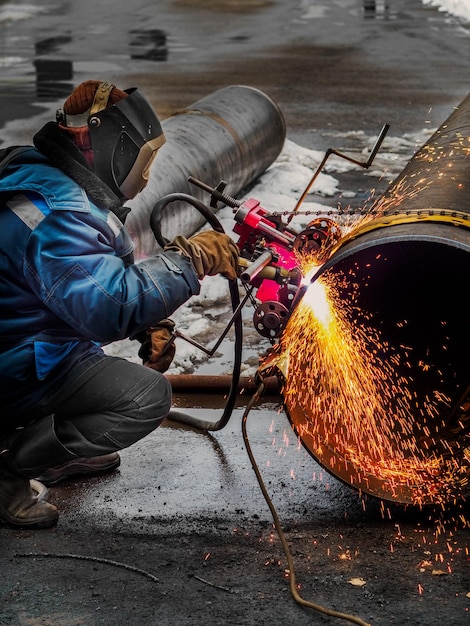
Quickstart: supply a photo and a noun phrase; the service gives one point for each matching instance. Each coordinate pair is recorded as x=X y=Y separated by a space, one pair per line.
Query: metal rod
x=197 y=383
x=255 y=268
x=328 y=153
x=212 y=351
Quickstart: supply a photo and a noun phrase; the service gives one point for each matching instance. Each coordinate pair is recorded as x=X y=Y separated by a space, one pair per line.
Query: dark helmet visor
x=124 y=138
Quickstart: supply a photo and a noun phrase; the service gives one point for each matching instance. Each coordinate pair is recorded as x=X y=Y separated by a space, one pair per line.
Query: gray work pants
x=104 y=405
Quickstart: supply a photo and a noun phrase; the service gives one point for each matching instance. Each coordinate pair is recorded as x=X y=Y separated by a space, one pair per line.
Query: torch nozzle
x=278 y=274
x=253 y=269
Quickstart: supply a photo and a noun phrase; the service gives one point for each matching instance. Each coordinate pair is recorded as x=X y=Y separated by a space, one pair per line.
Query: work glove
x=210 y=252
x=156 y=351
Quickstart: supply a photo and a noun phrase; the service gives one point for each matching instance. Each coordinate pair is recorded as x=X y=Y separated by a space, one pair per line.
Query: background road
x=185 y=506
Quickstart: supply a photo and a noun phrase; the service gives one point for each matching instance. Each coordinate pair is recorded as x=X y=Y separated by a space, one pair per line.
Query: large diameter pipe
x=406 y=272
x=233 y=134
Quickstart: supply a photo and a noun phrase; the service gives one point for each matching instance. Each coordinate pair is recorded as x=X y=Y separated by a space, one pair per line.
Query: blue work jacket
x=67 y=278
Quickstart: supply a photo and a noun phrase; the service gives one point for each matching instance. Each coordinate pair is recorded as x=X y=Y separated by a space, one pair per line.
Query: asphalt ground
x=181 y=534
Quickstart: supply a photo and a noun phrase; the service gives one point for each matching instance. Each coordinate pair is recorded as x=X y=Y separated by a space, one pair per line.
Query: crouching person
x=68 y=284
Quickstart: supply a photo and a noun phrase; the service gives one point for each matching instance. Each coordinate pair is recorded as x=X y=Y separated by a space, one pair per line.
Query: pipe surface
x=205 y=384
x=402 y=274
x=233 y=134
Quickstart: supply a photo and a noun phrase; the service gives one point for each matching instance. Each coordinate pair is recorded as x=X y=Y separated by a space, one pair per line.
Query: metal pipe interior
x=417 y=271
x=408 y=281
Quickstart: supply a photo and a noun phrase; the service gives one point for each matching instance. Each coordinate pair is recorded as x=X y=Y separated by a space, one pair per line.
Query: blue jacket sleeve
x=74 y=265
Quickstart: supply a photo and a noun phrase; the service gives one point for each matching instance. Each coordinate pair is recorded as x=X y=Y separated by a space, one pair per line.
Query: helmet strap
x=101 y=97
x=100 y=102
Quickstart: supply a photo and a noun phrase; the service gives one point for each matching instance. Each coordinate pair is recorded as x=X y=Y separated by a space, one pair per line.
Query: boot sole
x=14 y=522
x=78 y=471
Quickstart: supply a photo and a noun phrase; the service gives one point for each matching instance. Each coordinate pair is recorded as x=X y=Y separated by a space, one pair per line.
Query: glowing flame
x=316 y=298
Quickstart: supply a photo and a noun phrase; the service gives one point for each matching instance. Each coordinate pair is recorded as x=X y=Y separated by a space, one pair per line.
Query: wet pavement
x=335 y=69
x=195 y=475
x=338 y=66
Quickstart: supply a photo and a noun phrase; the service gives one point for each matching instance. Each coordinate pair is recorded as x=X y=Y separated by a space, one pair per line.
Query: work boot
x=22 y=505
x=80 y=467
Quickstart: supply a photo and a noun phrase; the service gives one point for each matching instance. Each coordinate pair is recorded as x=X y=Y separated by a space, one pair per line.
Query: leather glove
x=155 y=350
x=210 y=252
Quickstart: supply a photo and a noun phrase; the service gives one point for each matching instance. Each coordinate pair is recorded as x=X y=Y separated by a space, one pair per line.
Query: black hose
x=157 y=213
x=155 y=224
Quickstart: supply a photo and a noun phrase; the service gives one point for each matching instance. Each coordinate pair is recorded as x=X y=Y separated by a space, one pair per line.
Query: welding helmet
x=124 y=134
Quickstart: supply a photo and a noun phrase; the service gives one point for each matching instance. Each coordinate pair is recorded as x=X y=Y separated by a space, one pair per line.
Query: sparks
x=356 y=413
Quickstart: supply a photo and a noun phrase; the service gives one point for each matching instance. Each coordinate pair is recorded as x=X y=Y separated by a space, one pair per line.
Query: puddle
x=233 y=6
x=148 y=44
x=378 y=10
x=53 y=78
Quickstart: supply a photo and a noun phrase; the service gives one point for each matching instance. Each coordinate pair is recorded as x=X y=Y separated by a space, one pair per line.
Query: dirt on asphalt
x=385 y=572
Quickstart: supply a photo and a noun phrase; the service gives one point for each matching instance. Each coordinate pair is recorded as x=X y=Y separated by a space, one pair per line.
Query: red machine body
x=271 y=248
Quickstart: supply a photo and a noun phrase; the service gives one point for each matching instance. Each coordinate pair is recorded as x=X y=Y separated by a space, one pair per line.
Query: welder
x=69 y=285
